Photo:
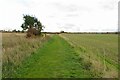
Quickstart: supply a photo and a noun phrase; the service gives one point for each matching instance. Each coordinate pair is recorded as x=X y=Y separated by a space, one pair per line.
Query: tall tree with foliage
x=32 y=24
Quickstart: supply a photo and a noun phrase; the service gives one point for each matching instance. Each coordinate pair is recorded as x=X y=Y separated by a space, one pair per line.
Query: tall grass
x=99 y=49
x=0 y=55
x=16 y=47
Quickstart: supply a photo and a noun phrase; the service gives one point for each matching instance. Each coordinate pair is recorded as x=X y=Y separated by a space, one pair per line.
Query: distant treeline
x=15 y=31
x=82 y=32
x=18 y=31
x=92 y=32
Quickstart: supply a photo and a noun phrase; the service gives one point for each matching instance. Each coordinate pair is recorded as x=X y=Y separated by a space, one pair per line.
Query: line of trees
x=12 y=31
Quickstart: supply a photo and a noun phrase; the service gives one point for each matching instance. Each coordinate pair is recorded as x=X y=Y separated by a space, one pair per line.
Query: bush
x=61 y=31
x=32 y=31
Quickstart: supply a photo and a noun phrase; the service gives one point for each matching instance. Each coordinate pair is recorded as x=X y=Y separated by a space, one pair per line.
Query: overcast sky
x=57 y=15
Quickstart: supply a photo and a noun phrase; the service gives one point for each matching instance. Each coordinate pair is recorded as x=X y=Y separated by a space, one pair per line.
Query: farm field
x=60 y=56
x=101 y=50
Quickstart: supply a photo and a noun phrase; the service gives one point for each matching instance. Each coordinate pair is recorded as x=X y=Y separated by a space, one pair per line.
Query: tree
x=18 y=31
x=22 y=31
x=61 y=31
x=32 y=24
x=14 y=30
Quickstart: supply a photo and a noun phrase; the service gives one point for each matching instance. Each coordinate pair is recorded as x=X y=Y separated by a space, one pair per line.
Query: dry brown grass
x=0 y=55
x=16 y=47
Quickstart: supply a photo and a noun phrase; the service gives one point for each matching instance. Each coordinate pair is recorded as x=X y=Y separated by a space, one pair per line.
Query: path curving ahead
x=55 y=59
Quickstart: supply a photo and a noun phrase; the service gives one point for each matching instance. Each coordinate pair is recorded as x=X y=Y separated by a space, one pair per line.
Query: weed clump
x=87 y=66
x=82 y=49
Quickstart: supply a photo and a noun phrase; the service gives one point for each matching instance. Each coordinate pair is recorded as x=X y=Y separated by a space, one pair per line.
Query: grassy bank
x=16 y=48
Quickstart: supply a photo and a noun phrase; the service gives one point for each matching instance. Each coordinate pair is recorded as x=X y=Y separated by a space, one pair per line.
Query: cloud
x=70 y=7
x=108 y=5
x=70 y=25
x=69 y=15
x=72 y=15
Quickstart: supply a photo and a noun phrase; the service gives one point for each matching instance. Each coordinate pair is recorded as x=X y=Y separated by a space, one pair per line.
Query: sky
x=58 y=15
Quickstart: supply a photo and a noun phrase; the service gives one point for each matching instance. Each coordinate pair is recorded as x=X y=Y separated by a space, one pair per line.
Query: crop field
x=101 y=50
x=60 y=56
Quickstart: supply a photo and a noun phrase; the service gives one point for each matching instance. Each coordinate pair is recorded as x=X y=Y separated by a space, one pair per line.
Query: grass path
x=56 y=59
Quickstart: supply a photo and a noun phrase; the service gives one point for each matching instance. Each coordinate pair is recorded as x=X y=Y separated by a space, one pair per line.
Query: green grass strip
x=55 y=59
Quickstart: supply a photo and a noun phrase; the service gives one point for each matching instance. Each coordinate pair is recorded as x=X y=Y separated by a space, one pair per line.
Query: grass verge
x=55 y=59
x=16 y=48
